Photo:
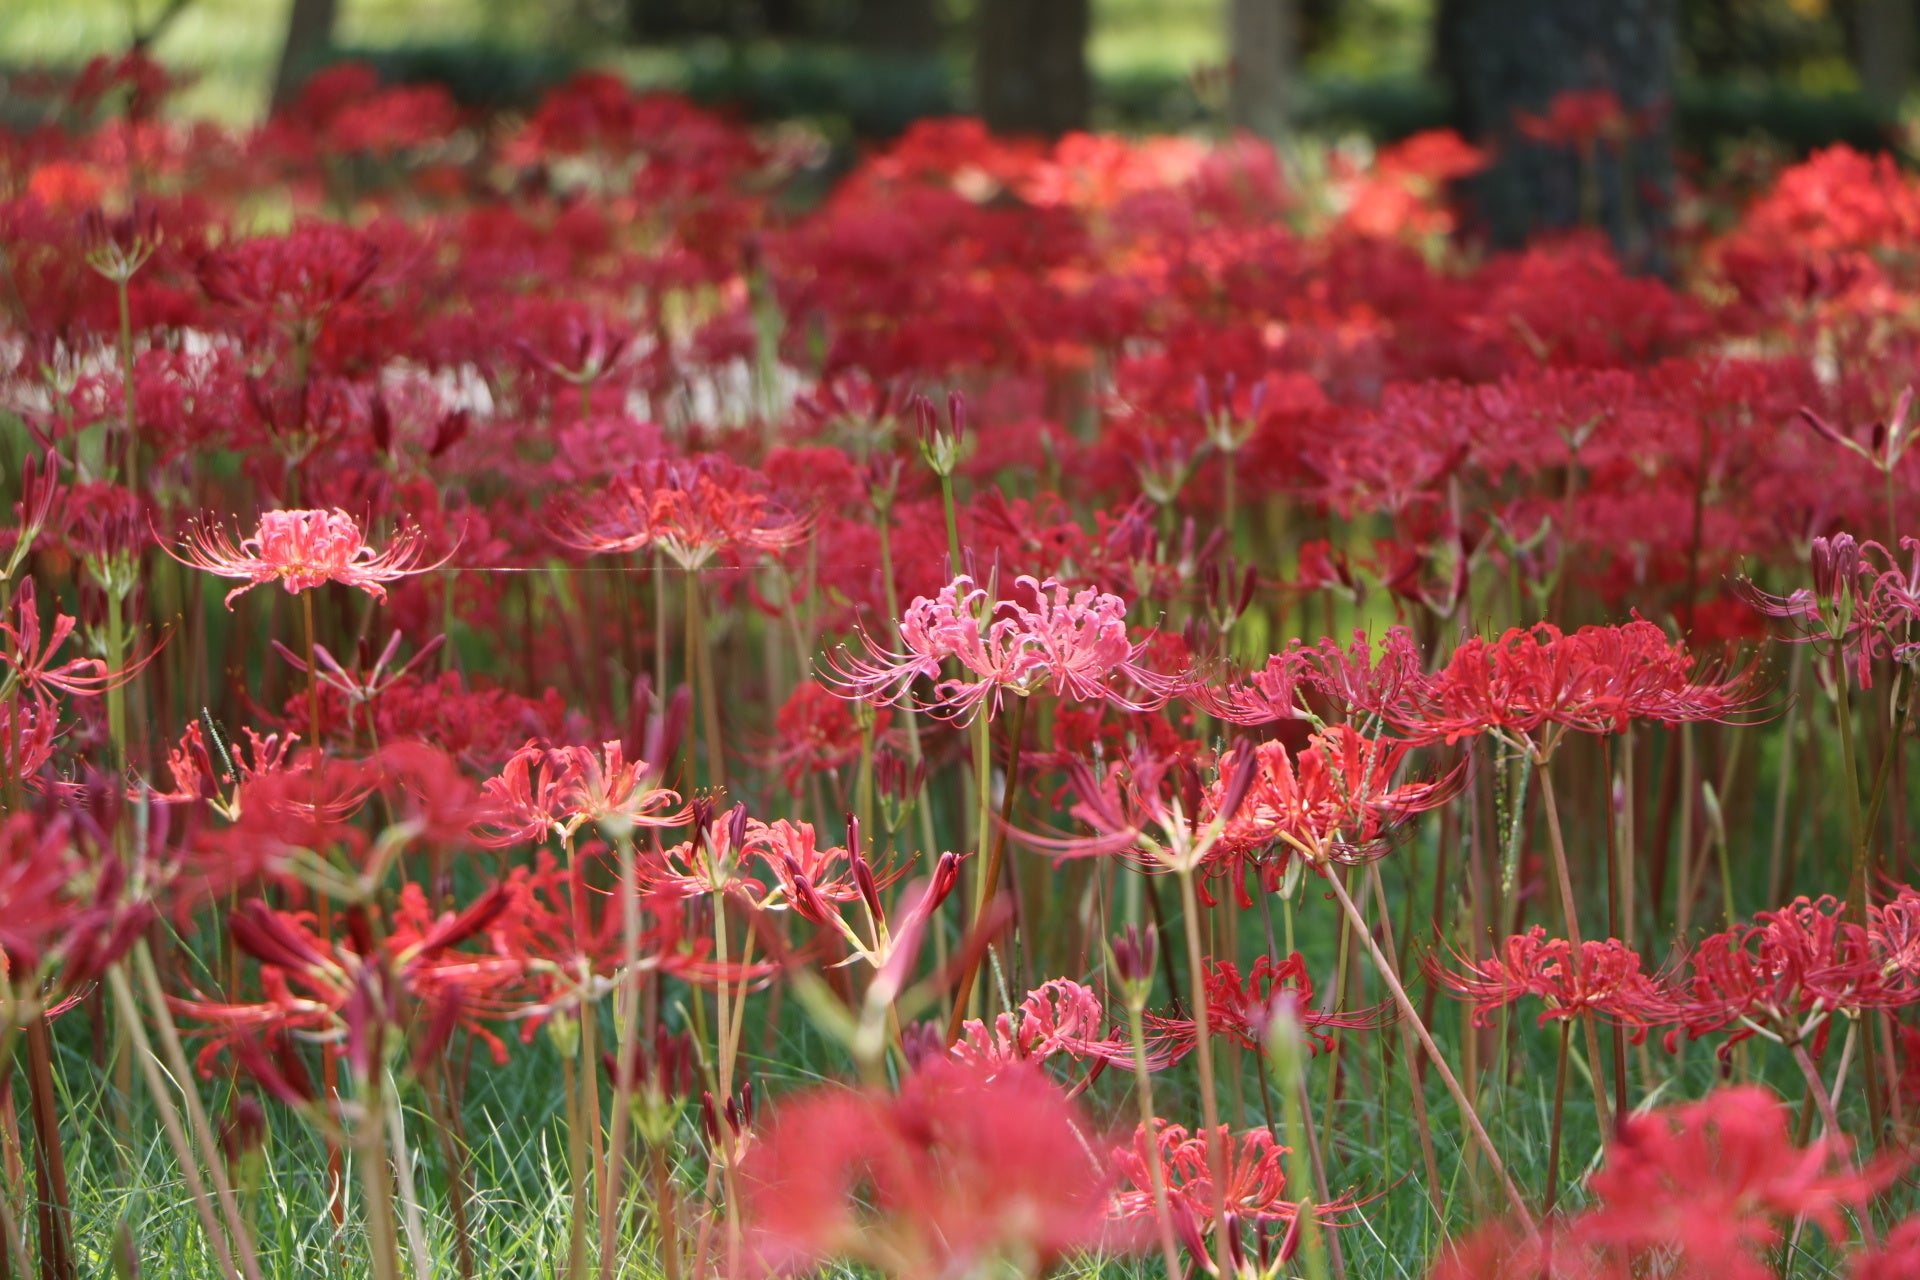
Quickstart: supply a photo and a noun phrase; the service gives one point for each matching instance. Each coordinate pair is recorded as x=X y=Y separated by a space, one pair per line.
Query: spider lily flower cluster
x=1364 y=628
x=1044 y=636
x=302 y=550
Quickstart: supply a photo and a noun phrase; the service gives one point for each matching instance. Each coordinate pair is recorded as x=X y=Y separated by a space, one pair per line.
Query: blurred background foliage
x=1803 y=71
x=1705 y=85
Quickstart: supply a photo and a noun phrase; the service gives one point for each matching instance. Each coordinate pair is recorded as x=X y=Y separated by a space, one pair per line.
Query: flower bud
x=1286 y=1041
x=245 y=1129
x=1134 y=952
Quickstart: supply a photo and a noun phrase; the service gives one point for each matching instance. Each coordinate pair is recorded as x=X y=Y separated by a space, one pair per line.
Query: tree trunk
x=1030 y=65
x=1502 y=58
x=1262 y=36
x=309 y=34
x=1883 y=58
x=899 y=26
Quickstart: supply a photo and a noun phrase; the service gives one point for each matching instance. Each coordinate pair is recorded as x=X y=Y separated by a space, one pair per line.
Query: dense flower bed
x=504 y=600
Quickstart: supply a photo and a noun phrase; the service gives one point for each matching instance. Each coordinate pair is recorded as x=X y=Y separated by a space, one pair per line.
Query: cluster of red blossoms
x=832 y=830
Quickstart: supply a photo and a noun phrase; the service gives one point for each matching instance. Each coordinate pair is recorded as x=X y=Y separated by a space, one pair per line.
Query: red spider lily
x=584 y=349
x=293 y=279
x=30 y=664
x=1337 y=802
x=967 y=1168
x=198 y=775
x=1354 y=679
x=896 y=941
x=1501 y=1251
x=1606 y=981
x=547 y=791
x=1580 y=118
x=662 y=1075
x=353 y=994
x=1712 y=1180
x=428 y=795
x=529 y=798
x=711 y=861
x=567 y=937
x=812 y=880
x=303 y=549
x=1530 y=686
x=1783 y=976
x=147 y=82
x=29 y=728
x=1896 y=1258
x=1255 y=1183
x=1271 y=695
x=817 y=732
x=689 y=508
x=617 y=794
x=291 y=802
x=109 y=528
x=1044 y=636
x=1241 y=1009
x=70 y=908
x=1060 y=1016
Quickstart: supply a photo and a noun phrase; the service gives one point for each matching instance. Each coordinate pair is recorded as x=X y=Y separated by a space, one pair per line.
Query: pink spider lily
x=1844 y=609
x=1057 y=1017
x=1886 y=442
x=362 y=685
x=1153 y=809
x=1893 y=934
x=304 y=549
x=1044 y=637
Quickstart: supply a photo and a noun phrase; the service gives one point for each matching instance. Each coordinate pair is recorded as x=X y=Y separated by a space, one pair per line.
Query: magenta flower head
x=1044 y=636
x=303 y=549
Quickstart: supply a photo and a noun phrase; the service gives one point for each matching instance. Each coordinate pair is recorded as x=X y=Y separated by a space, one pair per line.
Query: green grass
x=513 y=1121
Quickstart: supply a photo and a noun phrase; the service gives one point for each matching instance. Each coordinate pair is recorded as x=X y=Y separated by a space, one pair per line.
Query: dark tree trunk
x=1505 y=57
x=1030 y=65
x=1883 y=50
x=309 y=33
x=899 y=26
x=1261 y=38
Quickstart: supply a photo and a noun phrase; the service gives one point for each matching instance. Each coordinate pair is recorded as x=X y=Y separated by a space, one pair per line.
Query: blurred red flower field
x=1078 y=708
